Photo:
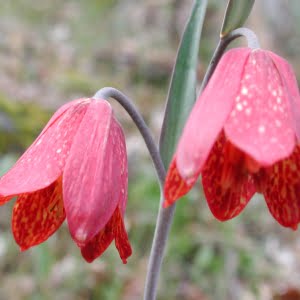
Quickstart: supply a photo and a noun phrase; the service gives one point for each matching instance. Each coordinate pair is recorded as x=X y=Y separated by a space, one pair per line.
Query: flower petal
x=60 y=112
x=260 y=123
x=121 y=237
x=44 y=160
x=95 y=173
x=210 y=113
x=98 y=244
x=36 y=216
x=281 y=188
x=290 y=85
x=120 y=163
x=114 y=229
x=227 y=186
x=175 y=186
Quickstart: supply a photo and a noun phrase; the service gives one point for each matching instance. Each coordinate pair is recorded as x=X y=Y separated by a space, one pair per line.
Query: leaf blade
x=182 y=92
x=237 y=12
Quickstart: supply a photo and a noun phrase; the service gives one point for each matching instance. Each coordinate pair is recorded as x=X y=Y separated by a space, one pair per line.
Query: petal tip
x=80 y=237
x=22 y=248
x=294 y=227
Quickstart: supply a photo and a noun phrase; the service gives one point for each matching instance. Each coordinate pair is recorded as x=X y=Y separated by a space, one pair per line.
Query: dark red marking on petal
x=36 y=216
x=281 y=188
x=98 y=244
x=114 y=229
x=227 y=185
x=3 y=200
x=175 y=187
x=121 y=238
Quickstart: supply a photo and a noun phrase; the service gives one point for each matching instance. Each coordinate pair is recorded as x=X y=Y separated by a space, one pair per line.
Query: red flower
x=75 y=169
x=242 y=135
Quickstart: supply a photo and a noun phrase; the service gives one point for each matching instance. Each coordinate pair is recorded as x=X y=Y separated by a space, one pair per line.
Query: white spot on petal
x=261 y=129
x=80 y=235
x=244 y=91
x=248 y=111
x=239 y=107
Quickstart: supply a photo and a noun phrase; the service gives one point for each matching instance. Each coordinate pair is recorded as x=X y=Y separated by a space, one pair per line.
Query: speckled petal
x=210 y=113
x=260 y=123
x=121 y=238
x=60 y=112
x=281 y=188
x=291 y=89
x=95 y=176
x=44 y=160
x=114 y=229
x=227 y=185
x=98 y=244
x=175 y=186
x=38 y=215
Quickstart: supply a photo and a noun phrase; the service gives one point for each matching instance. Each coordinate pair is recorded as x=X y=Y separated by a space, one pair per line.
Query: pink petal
x=36 y=216
x=44 y=160
x=95 y=176
x=291 y=89
x=281 y=188
x=210 y=113
x=260 y=123
x=61 y=110
x=120 y=160
x=227 y=185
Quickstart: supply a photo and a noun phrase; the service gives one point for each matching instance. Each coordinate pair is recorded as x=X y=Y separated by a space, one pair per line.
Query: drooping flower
x=76 y=169
x=243 y=136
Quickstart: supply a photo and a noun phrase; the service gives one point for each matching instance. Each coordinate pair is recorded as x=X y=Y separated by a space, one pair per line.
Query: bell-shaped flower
x=76 y=169
x=243 y=136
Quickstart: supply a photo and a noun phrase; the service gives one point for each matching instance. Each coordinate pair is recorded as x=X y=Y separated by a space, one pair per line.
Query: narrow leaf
x=236 y=14
x=182 y=92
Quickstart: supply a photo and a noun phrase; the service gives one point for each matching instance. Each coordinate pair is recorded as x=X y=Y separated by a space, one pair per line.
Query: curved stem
x=221 y=47
x=109 y=92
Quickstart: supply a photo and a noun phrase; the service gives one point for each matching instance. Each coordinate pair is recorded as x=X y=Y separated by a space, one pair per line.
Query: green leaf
x=236 y=14
x=182 y=92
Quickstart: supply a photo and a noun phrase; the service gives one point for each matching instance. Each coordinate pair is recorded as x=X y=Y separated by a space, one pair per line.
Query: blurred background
x=55 y=51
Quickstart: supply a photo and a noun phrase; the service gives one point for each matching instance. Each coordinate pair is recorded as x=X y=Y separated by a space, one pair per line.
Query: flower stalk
x=127 y=104
x=223 y=44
